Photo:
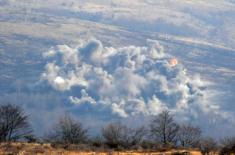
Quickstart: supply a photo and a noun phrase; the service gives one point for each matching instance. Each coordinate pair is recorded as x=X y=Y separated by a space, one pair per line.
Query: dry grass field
x=46 y=149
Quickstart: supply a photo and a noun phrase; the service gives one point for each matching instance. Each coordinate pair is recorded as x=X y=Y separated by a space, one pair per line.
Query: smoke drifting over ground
x=128 y=80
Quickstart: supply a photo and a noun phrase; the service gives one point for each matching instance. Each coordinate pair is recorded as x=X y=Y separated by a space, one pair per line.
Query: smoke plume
x=128 y=80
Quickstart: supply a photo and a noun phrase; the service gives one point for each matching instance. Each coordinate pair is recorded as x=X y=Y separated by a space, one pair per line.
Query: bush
x=31 y=139
x=67 y=131
x=119 y=136
x=181 y=153
x=228 y=146
x=207 y=145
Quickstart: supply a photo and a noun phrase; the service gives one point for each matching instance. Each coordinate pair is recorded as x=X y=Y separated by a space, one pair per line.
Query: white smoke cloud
x=129 y=80
x=84 y=99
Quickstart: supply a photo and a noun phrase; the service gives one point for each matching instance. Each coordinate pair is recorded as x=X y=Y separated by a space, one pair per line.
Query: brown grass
x=46 y=149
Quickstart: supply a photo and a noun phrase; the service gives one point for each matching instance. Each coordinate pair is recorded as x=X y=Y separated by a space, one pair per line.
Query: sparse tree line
x=163 y=132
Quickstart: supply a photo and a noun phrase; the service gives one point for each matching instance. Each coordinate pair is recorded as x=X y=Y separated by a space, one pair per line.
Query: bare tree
x=189 y=136
x=67 y=131
x=228 y=146
x=14 y=123
x=207 y=145
x=117 y=135
x=164 y=128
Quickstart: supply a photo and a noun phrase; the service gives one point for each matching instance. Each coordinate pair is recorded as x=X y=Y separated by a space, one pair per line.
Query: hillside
x=200 y=35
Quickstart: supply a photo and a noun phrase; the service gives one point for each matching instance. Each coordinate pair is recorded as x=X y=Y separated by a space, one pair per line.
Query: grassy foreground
x=47 y=149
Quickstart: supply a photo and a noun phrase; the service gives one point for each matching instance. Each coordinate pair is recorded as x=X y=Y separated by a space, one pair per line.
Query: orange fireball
x=173 y=62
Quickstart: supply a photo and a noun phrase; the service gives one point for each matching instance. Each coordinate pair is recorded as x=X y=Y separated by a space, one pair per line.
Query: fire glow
x=173 y=62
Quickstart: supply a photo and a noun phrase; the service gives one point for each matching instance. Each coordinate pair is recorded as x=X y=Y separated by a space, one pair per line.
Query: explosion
x=128 y=80
x=173 y=62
